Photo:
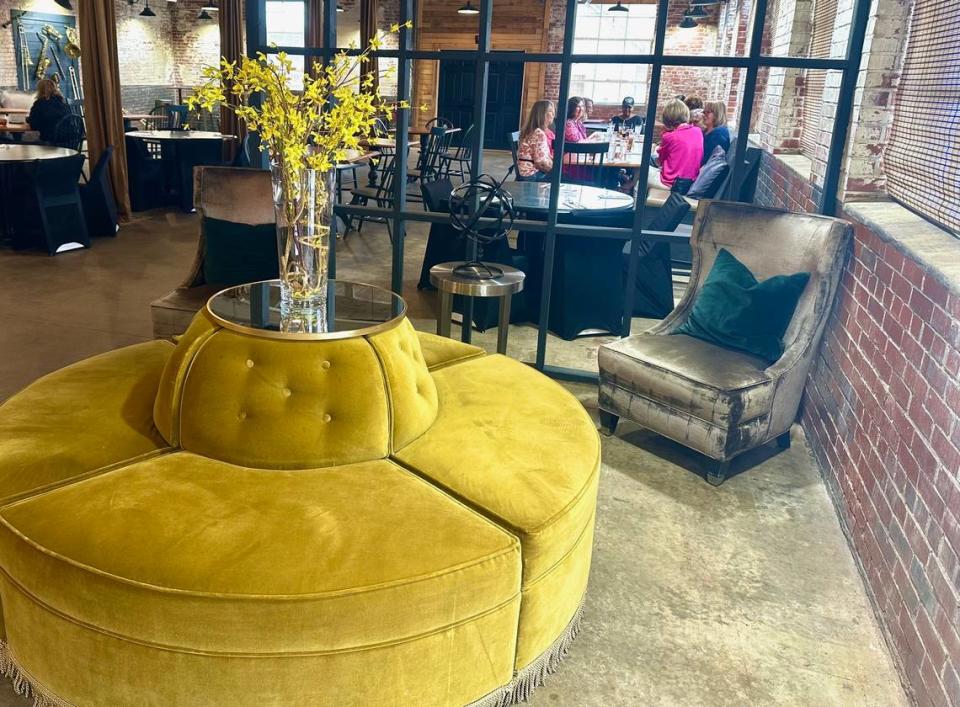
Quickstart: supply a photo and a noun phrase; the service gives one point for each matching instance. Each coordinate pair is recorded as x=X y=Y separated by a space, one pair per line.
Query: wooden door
x=504 y=99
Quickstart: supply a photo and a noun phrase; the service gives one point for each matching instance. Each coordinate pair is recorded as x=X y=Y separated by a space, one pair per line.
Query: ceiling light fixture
x=697 y=12
x=619 y=7
x=688 y=23
x=339 y=7
x=204 y=15
x=468 y=9
x=146 y=11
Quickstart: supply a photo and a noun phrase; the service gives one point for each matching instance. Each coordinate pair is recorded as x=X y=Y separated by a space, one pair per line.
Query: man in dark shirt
x=47 y=110
x=626 y=120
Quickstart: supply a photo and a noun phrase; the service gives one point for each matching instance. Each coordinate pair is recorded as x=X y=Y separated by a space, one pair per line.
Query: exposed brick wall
x=882 y=416
x=784 y=186
x=156 y=54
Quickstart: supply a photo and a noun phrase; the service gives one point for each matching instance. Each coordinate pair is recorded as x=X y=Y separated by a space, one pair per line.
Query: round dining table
x=28 y=153
x=574 y=198
x=187 y=149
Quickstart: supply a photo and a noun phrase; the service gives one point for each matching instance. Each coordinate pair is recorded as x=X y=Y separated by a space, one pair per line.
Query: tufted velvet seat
x=389 y=519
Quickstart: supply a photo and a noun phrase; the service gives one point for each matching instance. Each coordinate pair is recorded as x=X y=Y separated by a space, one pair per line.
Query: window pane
x=585 y=46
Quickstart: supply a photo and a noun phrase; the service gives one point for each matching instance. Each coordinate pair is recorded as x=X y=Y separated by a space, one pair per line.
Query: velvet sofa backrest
x=273 y=403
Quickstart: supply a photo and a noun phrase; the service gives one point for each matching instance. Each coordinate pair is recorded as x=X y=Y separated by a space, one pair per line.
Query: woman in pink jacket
x=681 y=147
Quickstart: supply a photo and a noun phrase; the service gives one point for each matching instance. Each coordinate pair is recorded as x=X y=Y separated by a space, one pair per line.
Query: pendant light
x=204 y=15
x=146 y=11
x=468 y=9
x=697 y=12
x=619 y=7
x=688 y=23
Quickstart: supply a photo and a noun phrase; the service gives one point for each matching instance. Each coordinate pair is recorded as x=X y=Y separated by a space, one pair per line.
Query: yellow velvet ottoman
x=386 y=519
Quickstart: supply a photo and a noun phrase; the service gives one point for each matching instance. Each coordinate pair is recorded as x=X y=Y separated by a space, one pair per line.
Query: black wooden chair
x=55 y=191
x=99 y=205
x=160 y=110
x=515 y=152
x=430 y=166
x=381 y=195
x=461 y=155
x=69 y=132
x=583 y=162
x=145 y=175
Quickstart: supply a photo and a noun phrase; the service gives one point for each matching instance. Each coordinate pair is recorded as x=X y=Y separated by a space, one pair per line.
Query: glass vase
x=303 y=203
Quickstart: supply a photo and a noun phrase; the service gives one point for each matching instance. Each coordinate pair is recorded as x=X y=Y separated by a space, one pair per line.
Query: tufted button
x=249 y=363
x=327 y=417
x=242 y=415
x=287 y=392
x=325 y=364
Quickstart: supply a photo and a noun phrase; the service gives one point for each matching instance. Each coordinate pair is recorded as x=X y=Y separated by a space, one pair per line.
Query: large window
x=602 y=32
x=285 y=23
x=824 y=16
x=922 y=160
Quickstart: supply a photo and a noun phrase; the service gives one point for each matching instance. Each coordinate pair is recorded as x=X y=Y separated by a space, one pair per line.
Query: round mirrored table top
x=352 y=310
x=535 y=196
x=28 y=153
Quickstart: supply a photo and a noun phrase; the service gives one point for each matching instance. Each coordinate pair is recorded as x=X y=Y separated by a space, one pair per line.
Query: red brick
x=935 y=291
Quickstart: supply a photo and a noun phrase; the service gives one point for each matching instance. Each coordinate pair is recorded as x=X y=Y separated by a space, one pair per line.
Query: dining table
x=185 y=149
x=574 y=198
x=13 y=156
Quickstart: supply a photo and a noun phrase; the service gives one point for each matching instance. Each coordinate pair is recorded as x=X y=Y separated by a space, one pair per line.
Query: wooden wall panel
x=516 y=27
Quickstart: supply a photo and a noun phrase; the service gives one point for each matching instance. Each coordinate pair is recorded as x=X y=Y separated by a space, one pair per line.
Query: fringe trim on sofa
x=24 y=683
x=535 y=674
x=518 y=690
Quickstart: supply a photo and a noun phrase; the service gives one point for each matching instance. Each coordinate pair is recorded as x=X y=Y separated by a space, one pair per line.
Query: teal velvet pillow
x=734 y=310
x=236 y=253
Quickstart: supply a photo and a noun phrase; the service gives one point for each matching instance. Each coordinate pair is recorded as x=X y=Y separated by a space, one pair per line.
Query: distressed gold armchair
x=719 y=401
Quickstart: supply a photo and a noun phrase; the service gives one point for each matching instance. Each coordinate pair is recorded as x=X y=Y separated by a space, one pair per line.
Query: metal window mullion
x=653 y=90
x=841 y=120
x=328 y=39
x=480 y=82
x=749 y=89
x=404 y=76
x=550 y=236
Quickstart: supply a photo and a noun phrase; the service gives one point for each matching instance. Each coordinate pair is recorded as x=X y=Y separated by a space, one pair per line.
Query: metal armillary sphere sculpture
x=483 y=198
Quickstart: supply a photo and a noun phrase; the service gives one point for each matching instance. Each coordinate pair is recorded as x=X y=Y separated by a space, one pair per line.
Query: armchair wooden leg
x=608 y=422
x=717 y=473
x=783 y=441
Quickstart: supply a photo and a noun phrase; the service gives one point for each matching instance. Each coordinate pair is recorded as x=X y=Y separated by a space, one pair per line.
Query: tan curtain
x=368 y=30
x=232 y=49
x=314 y=35
x=101 y=86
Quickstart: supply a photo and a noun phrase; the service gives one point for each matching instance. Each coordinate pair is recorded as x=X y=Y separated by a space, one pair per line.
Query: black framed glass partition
x=651 y=54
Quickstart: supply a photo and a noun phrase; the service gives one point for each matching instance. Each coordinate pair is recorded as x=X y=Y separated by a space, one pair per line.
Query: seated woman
x=681 y=148
x=715 y=128
x=626 y=120
x=573 y=128
x=695 y=104
x=48 y=109
x=535 y=151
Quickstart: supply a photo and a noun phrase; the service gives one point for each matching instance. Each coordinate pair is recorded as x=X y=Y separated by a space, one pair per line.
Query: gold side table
x=450 y=283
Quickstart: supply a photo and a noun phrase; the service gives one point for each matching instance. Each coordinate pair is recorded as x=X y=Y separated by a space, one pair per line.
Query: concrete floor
x=740 y=595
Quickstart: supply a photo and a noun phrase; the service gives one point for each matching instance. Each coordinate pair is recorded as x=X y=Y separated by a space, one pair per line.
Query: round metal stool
x=449 y=283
